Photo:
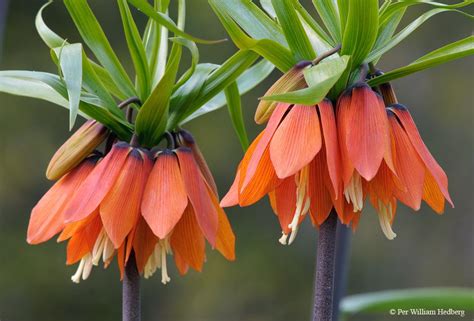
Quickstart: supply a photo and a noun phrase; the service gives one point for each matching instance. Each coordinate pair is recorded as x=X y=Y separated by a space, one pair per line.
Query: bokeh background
x=268 y=282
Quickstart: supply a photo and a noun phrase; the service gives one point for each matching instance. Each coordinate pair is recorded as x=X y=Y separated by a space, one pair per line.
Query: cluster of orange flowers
x=308 y=160
x=152 y=202
x=312 y=159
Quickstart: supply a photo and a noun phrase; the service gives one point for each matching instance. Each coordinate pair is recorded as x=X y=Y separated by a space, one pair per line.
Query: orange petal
x=329 y=129
x=432 y=194
x=412 y=131
x=74 y=227
x=165 y=198
x=83 y=242
x=47 y=217
x=318 y=189
x=181 y=264
x=264 y=181
x=196 y=189
x=121 y=260
x=120 y=208
x=144 y=242
x=285 y=202
x=344 y=115
x=98 y=184
x=188 y=241
x=232 y=196
x=383 y=186
x=257 y=152
x=296 y=141
x=225 y=241
x=368 y=135
x=188 y=141
x=409 y=167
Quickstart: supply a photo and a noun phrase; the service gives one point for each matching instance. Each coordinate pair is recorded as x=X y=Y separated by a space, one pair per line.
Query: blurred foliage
x=268 y=281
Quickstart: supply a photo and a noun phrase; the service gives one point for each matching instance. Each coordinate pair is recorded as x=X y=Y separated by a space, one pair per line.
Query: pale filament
x=354 y=193
x=157 y=260
x=83 y=270
x=385 y=219
x=302 y=205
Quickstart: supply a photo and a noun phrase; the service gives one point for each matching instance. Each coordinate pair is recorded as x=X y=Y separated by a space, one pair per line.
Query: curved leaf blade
x=453 y=51
x=234 y=106
x=320 y=78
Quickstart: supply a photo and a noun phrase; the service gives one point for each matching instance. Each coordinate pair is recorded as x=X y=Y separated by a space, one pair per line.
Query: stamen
x=83 y=270
x=103 y=248
x=385 y=218
x=283 y=238
x=354 y=193
x=302 y=203
x=157 y=260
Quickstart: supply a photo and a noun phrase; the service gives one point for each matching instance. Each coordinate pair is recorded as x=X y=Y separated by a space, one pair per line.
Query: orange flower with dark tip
x=47 y=217
x=296 y=161
x=83 y=142
x=133 y=202
x=182 y=210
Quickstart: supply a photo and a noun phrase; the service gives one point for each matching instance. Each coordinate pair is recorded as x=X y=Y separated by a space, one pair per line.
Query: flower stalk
x=324 y=279
x=131 y=310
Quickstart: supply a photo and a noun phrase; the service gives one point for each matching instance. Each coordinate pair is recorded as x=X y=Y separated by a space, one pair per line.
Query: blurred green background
x=268 y=282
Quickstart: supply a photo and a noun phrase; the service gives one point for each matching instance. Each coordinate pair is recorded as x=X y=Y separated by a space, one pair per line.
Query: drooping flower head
x=153 y=203
x=296 y=161
x=312 y=159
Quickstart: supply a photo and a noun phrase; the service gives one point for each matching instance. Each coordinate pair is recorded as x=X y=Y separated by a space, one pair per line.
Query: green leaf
x=220 y=79
x=94 y=37
x=293 y=29
x=405 y=32
x=251 y=19
x=164 y=20
x=152 y=117
x=327 y=10
x=428 y=298
x=194 y=59
x=136 y=49
x=320 y=78
x=278 y=55
x=268 y=7
x=360 y=30
x=455 y=50
x=70 y=61
x=49 y=37
x=343 y=6
x=234 y=107
x=319 y=39
x=188 y=92
x=49 y=87
x=155 y=40
x=246 y=82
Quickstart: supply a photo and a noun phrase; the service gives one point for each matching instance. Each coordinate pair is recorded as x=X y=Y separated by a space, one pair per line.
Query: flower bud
x=76 y=148
x=292 y=80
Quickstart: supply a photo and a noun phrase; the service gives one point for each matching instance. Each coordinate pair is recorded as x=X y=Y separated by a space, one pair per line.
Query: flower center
x=354 y=193
x=385 y=218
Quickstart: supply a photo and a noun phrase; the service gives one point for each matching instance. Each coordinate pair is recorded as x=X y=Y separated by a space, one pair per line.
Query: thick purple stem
x=131 y=291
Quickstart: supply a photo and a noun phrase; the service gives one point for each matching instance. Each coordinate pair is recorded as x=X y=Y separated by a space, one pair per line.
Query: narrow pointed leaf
x=136 y=49
x=293 y=29
x=71 y=65
x=251 y=19
x=327 y=10
x=193 y=50
x=152 y=117
x=234 y=107
x=274 y=52
x=405 y=32
x=94 y=37
x=164 y=20
x=360 y=30
x=453 y=51
x=246 y=82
